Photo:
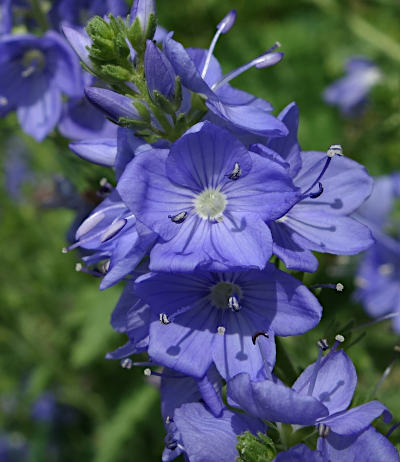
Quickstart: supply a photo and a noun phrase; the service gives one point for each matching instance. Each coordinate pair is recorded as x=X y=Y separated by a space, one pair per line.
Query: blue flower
x=378 y=280
x=211 y=318
x=195 y=431
x=368 y=446
x=351 y=91
x=320 y=396
x=116 y=240
x=378 y=274
x=34 y=73
x=332 y=186
x=208 y=199
x=201 y=73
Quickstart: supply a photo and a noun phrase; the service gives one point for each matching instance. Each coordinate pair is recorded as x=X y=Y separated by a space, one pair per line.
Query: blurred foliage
x=54 y=322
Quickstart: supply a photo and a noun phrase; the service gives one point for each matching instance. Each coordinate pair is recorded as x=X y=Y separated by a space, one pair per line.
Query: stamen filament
x=222 y=28
x=265 y=60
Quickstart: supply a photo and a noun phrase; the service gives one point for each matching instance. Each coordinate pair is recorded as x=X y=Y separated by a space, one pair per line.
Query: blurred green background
x=54 y=322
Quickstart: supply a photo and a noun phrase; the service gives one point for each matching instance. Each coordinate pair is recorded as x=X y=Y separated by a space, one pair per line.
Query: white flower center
x=221 y=292
x=211 y=203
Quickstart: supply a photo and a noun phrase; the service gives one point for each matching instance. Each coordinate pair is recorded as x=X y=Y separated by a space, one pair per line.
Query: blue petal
x=185 y=345
x=112 y=103
x=288 y=146
x=99 y=151
x=356 y=420
x=206 y=438
x=275 y=402
x=39 y=118
x=159 y=73
x=335 y=382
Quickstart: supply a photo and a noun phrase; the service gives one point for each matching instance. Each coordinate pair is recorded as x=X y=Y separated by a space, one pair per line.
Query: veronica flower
x=320 y=396
x=200 y=72
x=111 y=233
x=351 y=91
x=377 y=276
x=192 y=429
x=208 y=199
x=378 y=280
x=332 y=186
x=368 y=446
x=211 y=318
x=34 y=74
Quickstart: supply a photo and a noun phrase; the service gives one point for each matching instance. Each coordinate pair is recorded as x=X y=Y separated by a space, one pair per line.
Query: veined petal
x=275 y=402
x=99 y=151
x=148 y=192
x=185 y=345
x=335 y=382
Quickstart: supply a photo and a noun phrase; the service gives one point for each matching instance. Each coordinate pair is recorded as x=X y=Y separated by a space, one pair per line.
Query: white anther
x=126 y=363
x=147 y=372
x=3 y=101
x=103 y=182
x=105 y=266
x=386 y=269
x=221 y=330
x=339 y=287
x=339 y=338
x=64 y=250
x=168 y=420
x=323 y=344
x=335 y=150
x=164 y=319
x=78 y=267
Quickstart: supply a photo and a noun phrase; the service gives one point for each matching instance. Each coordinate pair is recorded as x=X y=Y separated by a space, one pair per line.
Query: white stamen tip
x=147 y=372
x=3 y=101
x=386 y=269
x=164 y=319
x=103 y=181
x=221 y=330
x=323 y=344
x=168 y=420
x=278 y=44
x=105 y=266
x=78 y=267
x=64 y=250
x=339 y=287
x=339 y=338
x=335 y=150
x=126 y=363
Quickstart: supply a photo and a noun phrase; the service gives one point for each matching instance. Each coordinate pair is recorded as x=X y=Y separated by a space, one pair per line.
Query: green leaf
x=253 y=448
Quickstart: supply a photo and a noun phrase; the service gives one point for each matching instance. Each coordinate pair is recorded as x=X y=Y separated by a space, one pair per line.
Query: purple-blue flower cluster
x=209 y=203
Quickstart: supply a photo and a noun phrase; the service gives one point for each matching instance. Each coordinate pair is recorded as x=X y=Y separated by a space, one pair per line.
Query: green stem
x=39 y=15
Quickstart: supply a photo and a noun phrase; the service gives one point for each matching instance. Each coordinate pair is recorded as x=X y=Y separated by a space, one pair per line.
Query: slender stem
x=40 y=15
